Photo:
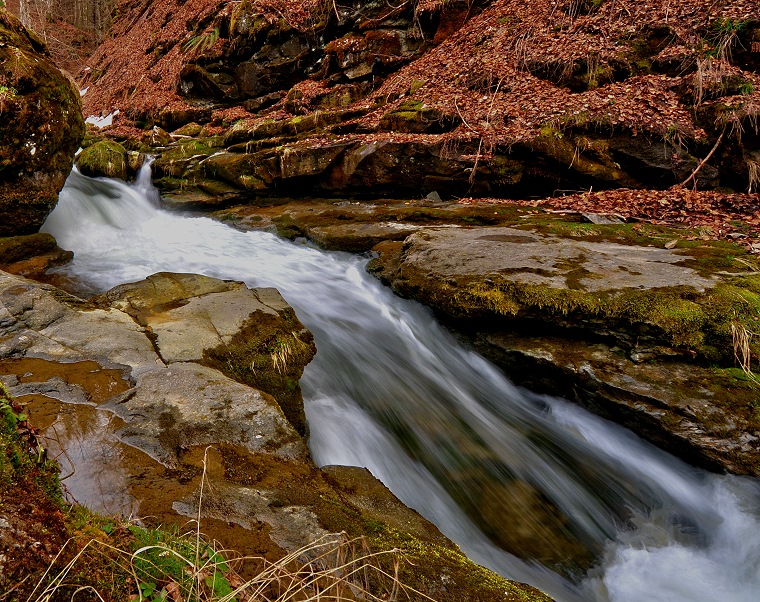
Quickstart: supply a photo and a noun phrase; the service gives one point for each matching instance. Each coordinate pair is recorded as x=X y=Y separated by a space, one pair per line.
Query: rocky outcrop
x=197 y=442
x=629 y=331
x=41 y=126
x=31 y=255
x=486 y=98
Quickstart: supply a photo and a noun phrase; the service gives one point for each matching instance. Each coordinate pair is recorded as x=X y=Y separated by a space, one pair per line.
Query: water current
x=392 y=390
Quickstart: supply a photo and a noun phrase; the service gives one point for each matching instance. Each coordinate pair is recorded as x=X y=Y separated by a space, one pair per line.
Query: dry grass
x=753 y=169
x=189 y=567
x=742 y=350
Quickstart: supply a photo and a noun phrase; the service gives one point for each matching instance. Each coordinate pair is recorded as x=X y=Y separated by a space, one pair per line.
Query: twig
x=705 y=160
x=464 y=121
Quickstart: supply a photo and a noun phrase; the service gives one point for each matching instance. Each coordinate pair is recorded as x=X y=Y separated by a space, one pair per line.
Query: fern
x=202 y=42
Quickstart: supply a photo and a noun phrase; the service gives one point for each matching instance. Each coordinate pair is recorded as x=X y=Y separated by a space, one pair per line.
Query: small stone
x=433 y=197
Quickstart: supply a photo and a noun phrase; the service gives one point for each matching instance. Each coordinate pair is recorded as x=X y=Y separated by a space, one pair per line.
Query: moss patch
x=104 y=159
x=270 y=354
x=445 y=572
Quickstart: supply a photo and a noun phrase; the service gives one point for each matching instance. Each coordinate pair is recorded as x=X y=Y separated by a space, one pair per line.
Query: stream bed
x=494 y=466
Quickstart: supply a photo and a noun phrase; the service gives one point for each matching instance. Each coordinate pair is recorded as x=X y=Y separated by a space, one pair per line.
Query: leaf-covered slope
x=581 y=93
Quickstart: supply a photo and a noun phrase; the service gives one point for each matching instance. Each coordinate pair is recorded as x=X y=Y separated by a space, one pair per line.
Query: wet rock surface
x=163 y=432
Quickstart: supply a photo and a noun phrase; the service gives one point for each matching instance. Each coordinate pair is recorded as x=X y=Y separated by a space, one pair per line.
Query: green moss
x=104 y=158
x=416 y=85
x=270 y=354
x=186 y=149
x=447 y=571
x=23 y=463
x=701 y=323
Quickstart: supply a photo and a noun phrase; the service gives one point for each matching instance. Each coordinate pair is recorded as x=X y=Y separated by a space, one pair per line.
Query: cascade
x=391 y=390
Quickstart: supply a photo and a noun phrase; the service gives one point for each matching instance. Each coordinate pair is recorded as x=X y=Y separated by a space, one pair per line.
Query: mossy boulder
x=41 y=127
x=252 y=336
x=104 y=159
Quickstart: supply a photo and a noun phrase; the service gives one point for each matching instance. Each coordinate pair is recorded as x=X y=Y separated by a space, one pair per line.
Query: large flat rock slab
x=532 y=258
x=167 y=406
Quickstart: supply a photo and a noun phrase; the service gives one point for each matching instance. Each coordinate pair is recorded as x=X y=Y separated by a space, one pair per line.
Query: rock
x=105 y=158
x=569 y=303
x=31 y=255
x=40 y=129
x=343 y=226
x=414 y=116
x=200 y=444
x=358 y=238
x=252 y=336
x=52 y=325
x=191 y=130
x=696 y=413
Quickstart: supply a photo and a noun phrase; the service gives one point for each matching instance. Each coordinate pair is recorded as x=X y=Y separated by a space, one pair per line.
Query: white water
x=391 y=390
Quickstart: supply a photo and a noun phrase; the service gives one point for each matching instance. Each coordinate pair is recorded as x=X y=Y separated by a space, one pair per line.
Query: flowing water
x=391 y=390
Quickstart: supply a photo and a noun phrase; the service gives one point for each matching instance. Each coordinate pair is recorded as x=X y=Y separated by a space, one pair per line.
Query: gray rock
x=547 y=260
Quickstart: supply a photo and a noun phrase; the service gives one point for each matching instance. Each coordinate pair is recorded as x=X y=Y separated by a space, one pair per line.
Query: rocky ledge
x=642 y=335
x=650 y=326
x=161 y=360
x=483 y=97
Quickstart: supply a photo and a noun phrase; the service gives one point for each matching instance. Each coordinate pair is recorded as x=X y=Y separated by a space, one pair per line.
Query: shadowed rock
x=41 y=126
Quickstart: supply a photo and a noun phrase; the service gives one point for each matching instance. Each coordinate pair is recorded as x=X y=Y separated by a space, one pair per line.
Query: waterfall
x=392 y=390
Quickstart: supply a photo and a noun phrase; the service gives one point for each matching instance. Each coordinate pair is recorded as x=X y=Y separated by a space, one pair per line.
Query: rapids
x=392 y=390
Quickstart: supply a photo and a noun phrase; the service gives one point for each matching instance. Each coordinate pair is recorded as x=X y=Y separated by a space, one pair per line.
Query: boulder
x=105 y=158
x=253 y=336
x=31 y=255
x=41 y=126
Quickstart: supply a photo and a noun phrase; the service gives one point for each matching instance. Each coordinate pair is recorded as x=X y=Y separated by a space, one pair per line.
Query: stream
x=486 y=461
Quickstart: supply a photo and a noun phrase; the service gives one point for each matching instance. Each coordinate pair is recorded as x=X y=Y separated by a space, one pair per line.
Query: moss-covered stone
x=41 y=126
x=270 y=354
x=416 y=116
x=31 y=255
x=105 y=158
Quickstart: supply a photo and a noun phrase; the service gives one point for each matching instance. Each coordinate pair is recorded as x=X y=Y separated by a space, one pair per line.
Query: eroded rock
x=253 y=336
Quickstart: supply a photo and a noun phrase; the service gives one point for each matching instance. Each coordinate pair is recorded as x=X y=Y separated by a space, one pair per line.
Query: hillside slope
x=509 y=98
